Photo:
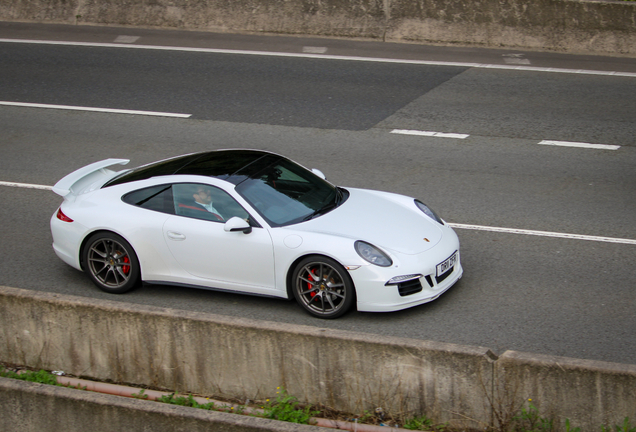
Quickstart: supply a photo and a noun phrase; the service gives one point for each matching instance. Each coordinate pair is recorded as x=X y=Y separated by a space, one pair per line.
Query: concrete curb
x=221 y=356
x=154 y=395
x=33 y=407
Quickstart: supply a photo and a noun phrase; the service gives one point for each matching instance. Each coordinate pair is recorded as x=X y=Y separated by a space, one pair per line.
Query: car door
x=201 y=246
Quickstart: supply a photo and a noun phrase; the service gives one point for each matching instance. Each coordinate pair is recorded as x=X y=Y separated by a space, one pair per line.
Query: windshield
x=285 y=193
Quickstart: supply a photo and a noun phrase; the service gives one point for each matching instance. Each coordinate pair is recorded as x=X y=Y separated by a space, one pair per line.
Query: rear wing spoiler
x=77 y=181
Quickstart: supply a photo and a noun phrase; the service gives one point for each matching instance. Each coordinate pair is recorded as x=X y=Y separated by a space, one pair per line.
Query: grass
x=41 y=376
x=625 y=427
x=422 y=423
x=529 y=420
x=287 y=408
x=185 y=401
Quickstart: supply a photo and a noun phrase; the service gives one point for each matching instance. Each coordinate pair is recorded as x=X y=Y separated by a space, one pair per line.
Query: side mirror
x=235 y=224
x=318 y=173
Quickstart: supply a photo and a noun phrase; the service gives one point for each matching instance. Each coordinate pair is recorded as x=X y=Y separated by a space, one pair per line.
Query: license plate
x=447 y=264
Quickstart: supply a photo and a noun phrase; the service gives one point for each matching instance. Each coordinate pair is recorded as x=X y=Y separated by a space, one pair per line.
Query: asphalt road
x=551 y=295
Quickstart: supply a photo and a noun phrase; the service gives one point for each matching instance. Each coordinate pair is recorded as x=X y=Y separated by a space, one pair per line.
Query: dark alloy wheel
x=111 y=263
x=323 y=287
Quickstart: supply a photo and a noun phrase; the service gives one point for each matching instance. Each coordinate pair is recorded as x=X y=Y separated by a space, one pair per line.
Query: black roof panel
x=231 y=165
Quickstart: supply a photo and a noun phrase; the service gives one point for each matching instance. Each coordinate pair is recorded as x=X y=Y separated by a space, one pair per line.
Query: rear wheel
x=111 y=263
x=323 y=287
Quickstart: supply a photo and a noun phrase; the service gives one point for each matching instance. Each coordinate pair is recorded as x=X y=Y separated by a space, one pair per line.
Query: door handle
x=175 y=236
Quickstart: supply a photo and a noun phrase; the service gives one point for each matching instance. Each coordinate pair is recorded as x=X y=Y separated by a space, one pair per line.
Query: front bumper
x=374 y=295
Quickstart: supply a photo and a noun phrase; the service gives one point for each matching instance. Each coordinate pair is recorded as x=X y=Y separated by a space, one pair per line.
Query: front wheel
x=323 y=287
x=111 y=263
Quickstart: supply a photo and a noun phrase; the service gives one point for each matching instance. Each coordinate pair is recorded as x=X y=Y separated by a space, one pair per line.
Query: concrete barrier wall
x=589 y=26
x=562 y=25
x=587 y=392
x=31 y=407
x=222 y=356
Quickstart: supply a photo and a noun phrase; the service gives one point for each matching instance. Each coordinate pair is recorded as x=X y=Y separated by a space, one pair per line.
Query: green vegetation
x=625 y=427
x=422 y=424
x=42 y=377
x=185 y=401
x=287 y=408
x=569 y=428
x=141 y=395
x=529 y=420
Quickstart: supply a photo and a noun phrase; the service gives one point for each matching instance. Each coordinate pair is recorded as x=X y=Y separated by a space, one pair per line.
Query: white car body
x=178 y=250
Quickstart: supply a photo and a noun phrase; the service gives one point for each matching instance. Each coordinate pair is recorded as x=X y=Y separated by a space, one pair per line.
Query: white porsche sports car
x=253 y=222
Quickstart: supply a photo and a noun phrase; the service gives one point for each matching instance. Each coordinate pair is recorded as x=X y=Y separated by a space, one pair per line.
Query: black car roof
x=233 y=166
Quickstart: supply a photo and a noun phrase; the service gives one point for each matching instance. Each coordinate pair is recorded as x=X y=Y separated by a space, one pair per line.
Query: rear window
x=157 y=198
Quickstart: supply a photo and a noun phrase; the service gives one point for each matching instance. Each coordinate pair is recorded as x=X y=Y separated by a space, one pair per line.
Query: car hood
x=390 y=221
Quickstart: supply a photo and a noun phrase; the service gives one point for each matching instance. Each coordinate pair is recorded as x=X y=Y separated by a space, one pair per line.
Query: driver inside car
x=203 y=197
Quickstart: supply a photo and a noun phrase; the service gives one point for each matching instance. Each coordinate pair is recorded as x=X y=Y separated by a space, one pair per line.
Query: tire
x=323 y=287
x=111 y=263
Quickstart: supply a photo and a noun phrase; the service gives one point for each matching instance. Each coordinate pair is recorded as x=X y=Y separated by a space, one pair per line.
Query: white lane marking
x=126 y=39
x=314 y=50
x=518 y=59
x=452 y=225
x=544 y=142
x=431 y=134
x=543 y=233
x=25 y=185
x=580 y=145
x=103 y=110
x=331 y=57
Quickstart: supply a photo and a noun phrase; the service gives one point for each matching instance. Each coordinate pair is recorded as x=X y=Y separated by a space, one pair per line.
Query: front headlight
x=372 y=254
x=428 y=212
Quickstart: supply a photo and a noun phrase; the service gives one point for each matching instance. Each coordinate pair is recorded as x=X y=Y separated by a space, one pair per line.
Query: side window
x=157 y=198
x=206 y=202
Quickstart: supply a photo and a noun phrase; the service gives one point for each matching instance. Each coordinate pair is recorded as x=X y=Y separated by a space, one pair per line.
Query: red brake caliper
x=126 y=268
